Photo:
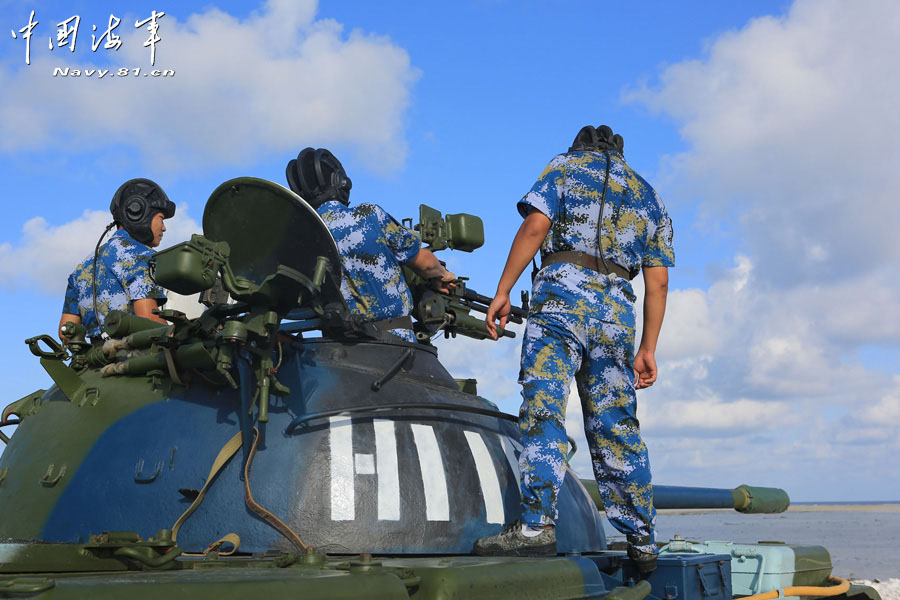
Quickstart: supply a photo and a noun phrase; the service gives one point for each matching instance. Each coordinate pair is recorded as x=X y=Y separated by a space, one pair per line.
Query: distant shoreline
x=887 y=506
x=805 y=507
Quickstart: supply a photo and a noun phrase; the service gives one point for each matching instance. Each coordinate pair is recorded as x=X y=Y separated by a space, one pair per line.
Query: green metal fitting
x=639 y=591
x=757 y=500
x=120 y=324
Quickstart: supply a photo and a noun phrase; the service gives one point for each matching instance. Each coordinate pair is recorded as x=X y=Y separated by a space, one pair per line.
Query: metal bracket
x=26 y=585
x=405 y=356
x=722 y=574
x=48 y=479
x=55 y=352
x=158 y=552
x=91 y=396
x=701 y=578
x=140 y=478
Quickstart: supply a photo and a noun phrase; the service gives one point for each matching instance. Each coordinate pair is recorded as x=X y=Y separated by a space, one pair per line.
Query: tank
x=279 y=446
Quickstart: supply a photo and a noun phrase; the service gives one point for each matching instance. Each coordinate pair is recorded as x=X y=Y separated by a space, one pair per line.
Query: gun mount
x=435 y=311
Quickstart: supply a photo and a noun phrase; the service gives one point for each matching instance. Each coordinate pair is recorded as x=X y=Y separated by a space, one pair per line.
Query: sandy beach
x=889 y=589
x=887 y=507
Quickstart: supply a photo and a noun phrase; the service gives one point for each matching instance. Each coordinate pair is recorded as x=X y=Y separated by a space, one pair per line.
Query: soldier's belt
x=395 y=323
x=586 y=260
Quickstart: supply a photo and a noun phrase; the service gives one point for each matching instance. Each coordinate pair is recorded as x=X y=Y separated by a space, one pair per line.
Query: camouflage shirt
x=373 y=245
x=123 y=276
x=636 y=232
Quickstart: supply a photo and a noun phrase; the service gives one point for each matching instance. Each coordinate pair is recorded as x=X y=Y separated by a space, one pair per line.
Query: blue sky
x=767 y=127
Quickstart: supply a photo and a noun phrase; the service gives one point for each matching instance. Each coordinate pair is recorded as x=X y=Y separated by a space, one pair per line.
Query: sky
x=769 y=128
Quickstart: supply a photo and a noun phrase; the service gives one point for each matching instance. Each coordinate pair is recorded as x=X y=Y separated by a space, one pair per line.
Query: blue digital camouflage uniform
x=581 y=325
x=123 y=276
x=373 y=245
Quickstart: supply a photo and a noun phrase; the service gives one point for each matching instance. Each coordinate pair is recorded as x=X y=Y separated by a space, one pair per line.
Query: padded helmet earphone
x=135 y=203
x=317 y=176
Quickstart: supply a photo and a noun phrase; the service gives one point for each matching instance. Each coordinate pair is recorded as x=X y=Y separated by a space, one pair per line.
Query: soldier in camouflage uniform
x=598 y=224
x=120 y=267
x=372 y=244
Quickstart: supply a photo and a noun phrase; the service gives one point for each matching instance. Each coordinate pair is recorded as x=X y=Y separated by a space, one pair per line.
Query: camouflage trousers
x=599 y=355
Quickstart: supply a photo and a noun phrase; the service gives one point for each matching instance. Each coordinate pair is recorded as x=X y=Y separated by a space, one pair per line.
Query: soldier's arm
x=527 y=242
x=656 y=284
x=67 y=318
x=426 y=265
x=144 y=308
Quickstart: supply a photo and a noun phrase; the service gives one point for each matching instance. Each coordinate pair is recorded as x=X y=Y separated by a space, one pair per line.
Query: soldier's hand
x=445 y=282
x=499 y=309
x=644 y=369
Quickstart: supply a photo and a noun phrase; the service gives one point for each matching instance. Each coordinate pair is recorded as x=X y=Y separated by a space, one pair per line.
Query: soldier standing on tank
x=372 y=244
x=597 y=224
x=117 y=275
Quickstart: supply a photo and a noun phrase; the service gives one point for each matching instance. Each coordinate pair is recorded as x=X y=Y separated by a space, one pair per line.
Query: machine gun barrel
x=480 y=303
x=744 y=498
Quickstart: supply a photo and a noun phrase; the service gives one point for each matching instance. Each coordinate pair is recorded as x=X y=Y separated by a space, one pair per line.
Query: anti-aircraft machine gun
x=278 y=446
x=451 y=312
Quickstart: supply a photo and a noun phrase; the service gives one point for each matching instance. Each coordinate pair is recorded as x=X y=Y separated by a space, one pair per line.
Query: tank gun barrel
x=744 y=498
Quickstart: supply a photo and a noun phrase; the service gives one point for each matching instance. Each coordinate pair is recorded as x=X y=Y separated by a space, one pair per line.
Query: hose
x=94 y=275
x=261 y=512
x=842 y=585
x=600 y=218
x=228 y=450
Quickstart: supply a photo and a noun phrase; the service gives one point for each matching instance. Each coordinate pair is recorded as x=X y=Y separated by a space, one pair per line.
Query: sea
x=862 y=538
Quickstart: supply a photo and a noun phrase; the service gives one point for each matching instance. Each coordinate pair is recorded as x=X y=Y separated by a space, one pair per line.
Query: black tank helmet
x=317 y=176
x=135 y=203
x=598 y=139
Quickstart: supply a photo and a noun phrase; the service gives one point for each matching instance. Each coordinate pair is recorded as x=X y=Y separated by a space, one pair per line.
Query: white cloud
x=270 y=83
x=46 y=254
x=723 y=418
x=792 y=123
x=886 y=411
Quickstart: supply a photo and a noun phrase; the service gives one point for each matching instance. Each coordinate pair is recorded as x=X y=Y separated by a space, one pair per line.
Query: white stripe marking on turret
x=437 y=505
x=365 y=464
x=388 y=473
x=511 y=457
x=487 y=476
x=343 y=497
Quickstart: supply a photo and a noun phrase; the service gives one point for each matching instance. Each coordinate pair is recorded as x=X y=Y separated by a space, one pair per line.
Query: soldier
x=597 y=224
x=117 y=275
x=372 y=244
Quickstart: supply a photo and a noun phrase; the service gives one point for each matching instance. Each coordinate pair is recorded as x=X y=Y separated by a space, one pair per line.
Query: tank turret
x=363 y=442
